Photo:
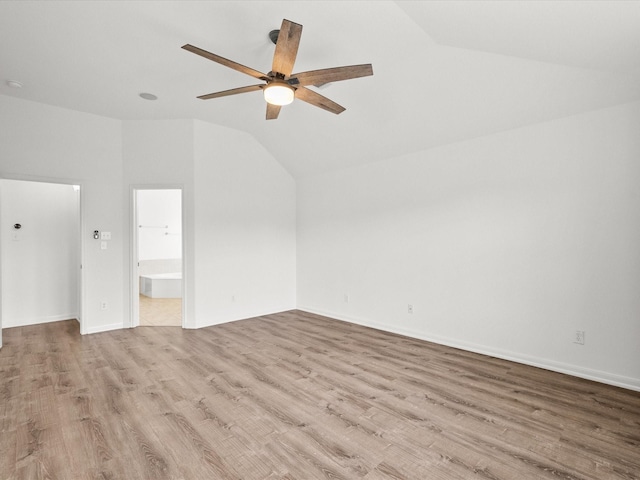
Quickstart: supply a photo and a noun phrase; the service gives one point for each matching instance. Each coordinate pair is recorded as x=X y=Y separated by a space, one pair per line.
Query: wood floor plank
x=297 y=396
x=8 y=446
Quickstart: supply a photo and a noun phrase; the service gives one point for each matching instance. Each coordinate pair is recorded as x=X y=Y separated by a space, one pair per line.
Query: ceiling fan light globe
x=279 y=94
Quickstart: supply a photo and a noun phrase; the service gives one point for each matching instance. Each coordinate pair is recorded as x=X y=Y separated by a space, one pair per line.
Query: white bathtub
x=161 y=285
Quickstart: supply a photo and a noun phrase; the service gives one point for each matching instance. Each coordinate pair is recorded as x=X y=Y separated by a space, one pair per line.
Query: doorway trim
x=81 y=242
x=134 y=285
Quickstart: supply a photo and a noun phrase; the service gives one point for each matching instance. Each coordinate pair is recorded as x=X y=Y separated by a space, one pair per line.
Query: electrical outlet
x=346 y=298
x=409 y=308
x=104 y=306
x=579 y=337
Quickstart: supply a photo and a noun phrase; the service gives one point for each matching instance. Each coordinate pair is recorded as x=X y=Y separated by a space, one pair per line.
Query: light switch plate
x=105 y=236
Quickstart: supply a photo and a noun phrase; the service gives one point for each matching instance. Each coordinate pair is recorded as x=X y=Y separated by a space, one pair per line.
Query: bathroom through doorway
x=158 y=284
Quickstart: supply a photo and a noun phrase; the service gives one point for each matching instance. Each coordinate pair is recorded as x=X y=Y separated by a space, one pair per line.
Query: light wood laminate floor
x=296 y=396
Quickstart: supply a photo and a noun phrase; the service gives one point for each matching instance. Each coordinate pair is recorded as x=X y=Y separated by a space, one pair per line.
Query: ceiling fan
x=280 y=85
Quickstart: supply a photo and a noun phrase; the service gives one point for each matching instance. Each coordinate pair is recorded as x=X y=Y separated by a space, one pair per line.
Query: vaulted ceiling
x=444 y=71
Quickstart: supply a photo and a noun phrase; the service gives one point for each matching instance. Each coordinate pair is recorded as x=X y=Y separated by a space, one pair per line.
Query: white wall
x=506 y=244
x=41 y=260
x=240 y=205
x=159 y=153
x=245 y=228
x=159 y=224
x=245 y=206
x=41 y=142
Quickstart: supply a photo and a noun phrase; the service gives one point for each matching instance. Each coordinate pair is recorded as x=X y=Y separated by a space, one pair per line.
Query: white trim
x=24 y=322
x=134 y=285
x=82 y=307
x=560 y=367
x=105 y=328
x=246 y=316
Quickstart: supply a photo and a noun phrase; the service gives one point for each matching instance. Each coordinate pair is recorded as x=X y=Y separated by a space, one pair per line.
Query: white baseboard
x=105 y=328
x=244 y=316
x=574 y=370
x=24 y=322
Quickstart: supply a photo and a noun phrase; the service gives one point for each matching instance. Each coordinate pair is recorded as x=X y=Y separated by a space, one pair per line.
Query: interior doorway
x=158 y=257
x=40 y=250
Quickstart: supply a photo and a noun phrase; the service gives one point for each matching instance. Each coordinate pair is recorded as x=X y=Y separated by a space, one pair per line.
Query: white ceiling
x=444 y=71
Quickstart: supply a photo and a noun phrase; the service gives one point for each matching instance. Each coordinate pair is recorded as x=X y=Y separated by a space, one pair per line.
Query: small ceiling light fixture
x=14 y=84
x=279 y=93
x=148 y=96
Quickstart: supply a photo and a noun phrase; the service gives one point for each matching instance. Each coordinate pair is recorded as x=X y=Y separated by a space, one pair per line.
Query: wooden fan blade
x=286 y=47
x=318 y=100
x=273 y=111
x=326 y=75
x=233 y=91
x=226 y=62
